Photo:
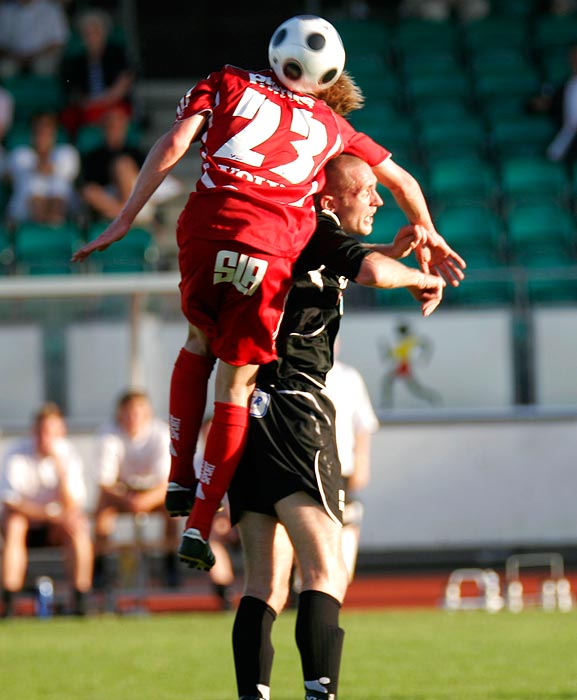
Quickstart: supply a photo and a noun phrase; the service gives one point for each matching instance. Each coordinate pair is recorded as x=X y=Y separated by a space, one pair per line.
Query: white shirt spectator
x=140 y=463
x=28 y=182
x=26 y=476
x=347 y=390
x=29 y=27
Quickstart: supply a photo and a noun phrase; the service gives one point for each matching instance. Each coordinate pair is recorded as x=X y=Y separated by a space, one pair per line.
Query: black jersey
x=291 y=443
x=314 y=306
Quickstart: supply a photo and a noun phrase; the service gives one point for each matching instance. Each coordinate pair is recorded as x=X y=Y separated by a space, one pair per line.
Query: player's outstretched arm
x=381 y=271
x=434 y=254
x=162 y=157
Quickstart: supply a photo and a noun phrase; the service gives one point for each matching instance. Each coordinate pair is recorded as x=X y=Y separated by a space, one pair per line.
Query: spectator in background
x=109 y=172
x=43 y=496
x=355 y=424
x=561 y=104
x=6 y=120
x=33 y=34
x=43 y=175
x=133 y=462
x=440 y=10
x=97 y=76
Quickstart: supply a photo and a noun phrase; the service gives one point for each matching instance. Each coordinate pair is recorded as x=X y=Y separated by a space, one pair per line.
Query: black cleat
x=178 y=500
x=195 y=551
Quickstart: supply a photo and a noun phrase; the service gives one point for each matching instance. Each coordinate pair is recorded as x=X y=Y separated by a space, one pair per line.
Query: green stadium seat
x=551 y=30
x=516 y=8
x=41 y=249
x=495 y=31
x=136 y=252
x=379 y=86
x=487 y=282
x=522 y=135
x=449 y=85
x=414 y=65
x=452 y=137
x=462 y=181
x=420 y=35
x=33 y=94
x=472 y=227
x=442 y=110
x=499 y=60
x=521 y=84
x=388 y=220
x=496 y=108
x=361 y=35
x=540 y=224
x=551 y=274
x=533 y=178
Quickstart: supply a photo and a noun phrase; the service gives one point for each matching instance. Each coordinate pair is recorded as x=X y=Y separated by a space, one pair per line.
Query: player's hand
x=429 y=292
x=407 y=240
x=437 y=257
x=114 y=232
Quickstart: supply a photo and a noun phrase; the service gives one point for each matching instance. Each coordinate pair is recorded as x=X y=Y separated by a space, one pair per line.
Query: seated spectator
x=43 y=175
x=133 y=462
x=440 y=10
x=96 y=77
x=109 y=172
x=33 y=34
x=42 y=497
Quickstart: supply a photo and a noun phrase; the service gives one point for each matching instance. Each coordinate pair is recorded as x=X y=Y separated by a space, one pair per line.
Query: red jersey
x=262 y=153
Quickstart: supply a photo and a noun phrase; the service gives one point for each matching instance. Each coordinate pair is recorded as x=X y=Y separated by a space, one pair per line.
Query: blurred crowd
x=70 y=130
x=51 y=496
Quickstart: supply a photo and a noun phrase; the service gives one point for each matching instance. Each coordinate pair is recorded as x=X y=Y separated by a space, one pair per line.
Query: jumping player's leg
x=316 y=538
x=268 y=557
x=225 y=444
x=188 y=391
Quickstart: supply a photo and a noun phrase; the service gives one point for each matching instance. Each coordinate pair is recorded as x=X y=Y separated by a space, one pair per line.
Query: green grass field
x=400 y=655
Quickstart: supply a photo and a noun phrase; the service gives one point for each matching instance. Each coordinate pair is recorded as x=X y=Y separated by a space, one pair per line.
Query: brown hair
x=344 y=96
x=129 y=396
x=47 y=410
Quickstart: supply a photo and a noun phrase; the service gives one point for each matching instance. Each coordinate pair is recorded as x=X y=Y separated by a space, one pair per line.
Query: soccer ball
x=307 y=54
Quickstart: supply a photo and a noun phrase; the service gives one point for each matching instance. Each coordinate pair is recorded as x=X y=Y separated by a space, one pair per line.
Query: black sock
x=320 y=640
x=80 y=604
x=7 y=603
x=224 y=594
x=252 y=645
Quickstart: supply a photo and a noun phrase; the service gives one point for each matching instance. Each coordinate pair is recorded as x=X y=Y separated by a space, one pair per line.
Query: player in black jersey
x=287 y=495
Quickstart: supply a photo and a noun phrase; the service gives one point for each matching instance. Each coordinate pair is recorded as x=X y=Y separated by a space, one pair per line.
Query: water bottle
x=45 y=596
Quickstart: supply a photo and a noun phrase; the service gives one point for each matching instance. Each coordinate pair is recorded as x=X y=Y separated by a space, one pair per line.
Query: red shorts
x=236 y=296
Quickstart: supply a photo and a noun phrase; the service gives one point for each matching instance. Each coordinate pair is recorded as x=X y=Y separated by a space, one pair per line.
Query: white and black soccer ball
x=307 y=54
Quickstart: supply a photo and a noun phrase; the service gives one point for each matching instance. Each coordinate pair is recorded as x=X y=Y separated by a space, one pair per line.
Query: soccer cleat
x=178 y=500
x=195 y=551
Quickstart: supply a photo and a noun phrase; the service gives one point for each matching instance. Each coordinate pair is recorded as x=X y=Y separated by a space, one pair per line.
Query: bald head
x=350 y=192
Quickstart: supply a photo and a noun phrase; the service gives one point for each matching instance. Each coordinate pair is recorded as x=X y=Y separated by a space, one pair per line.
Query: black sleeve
x=332 y=247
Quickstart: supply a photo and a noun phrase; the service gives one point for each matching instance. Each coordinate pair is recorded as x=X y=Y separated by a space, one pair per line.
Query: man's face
x=357 y=205
x=48 y=432
x=134 y=416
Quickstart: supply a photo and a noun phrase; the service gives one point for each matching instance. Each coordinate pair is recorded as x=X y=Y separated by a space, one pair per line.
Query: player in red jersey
x=263 y=148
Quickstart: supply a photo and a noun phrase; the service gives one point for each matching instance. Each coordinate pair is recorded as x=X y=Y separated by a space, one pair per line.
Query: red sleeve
x=356 y=143
x=200 y=98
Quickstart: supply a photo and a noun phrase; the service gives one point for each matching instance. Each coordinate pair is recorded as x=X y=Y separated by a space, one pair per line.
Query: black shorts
x=291 y=447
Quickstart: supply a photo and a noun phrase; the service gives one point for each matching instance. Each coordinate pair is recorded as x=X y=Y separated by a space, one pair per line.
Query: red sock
x=224 y=447
x=188 y=389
